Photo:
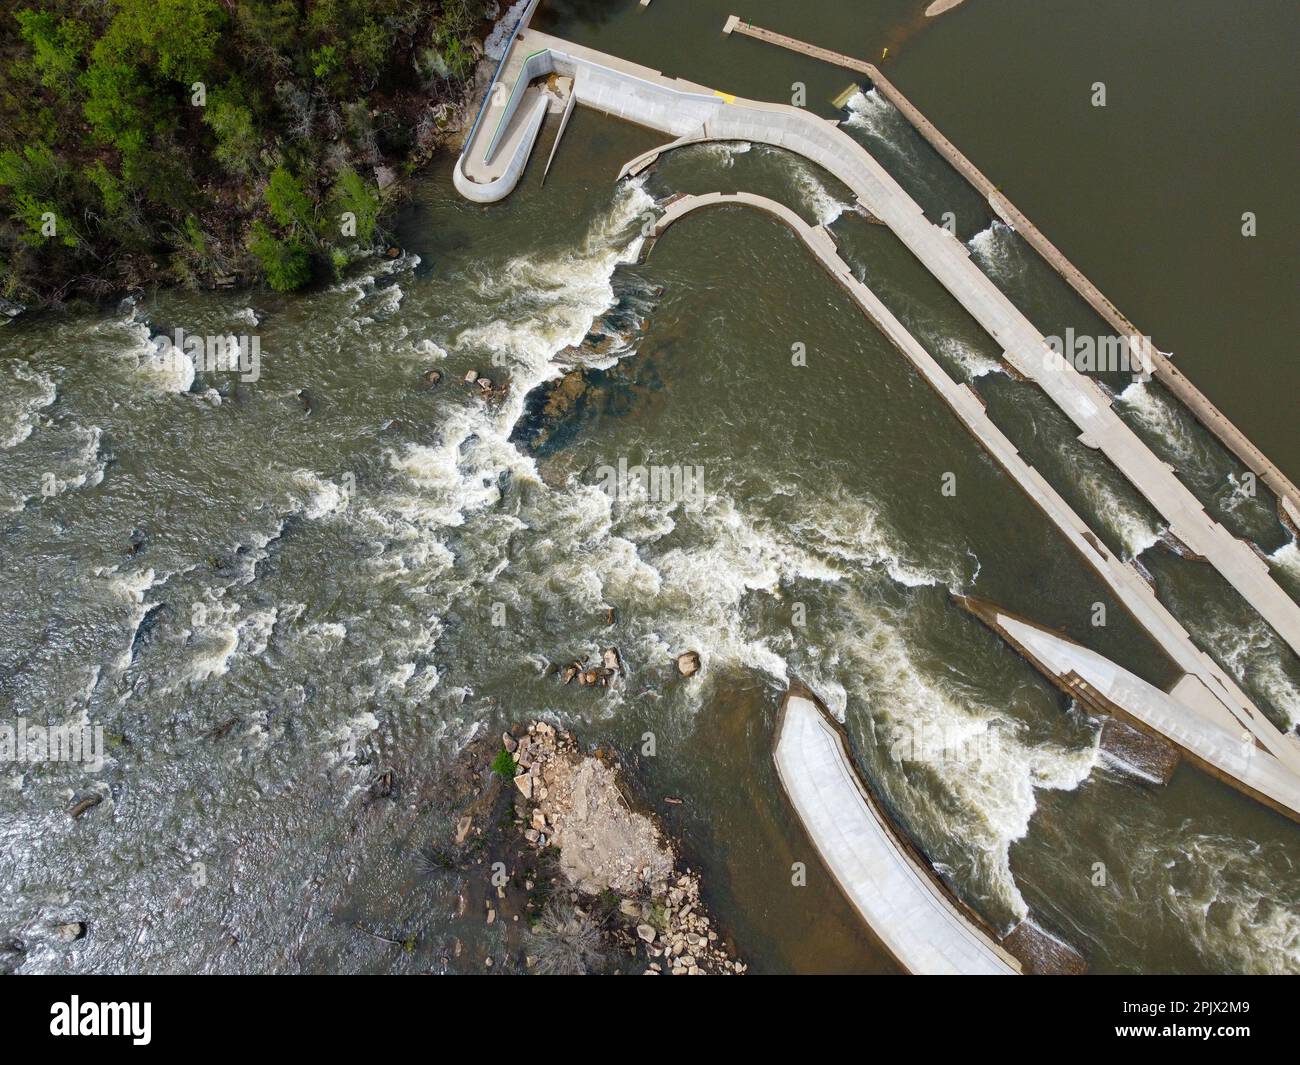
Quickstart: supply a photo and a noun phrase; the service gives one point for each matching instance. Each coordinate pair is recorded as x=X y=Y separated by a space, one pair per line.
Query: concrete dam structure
x=1103 y=688
x=498 y=148
x=1205 y=689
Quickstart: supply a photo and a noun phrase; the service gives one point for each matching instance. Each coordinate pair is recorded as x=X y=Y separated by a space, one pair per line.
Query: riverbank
x=220 y=147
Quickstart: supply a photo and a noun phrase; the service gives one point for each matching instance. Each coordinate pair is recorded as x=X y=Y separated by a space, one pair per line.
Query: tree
x=352 y=195
x=287 y=201
x=232 y=124
x=286 y=263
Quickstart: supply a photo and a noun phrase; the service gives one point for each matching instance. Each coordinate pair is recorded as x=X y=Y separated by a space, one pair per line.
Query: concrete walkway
x=899 y=899
x=1206 y=685
x=1162 y=367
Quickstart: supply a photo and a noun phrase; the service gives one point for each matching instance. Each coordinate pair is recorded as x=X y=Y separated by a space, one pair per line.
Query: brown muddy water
x=268 y=593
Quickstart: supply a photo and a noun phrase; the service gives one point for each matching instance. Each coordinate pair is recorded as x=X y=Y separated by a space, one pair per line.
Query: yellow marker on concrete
x=841 y=101
x=729 y=97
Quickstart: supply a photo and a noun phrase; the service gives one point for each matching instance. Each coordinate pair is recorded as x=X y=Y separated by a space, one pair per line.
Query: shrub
x=504 y=764
x=286 y=263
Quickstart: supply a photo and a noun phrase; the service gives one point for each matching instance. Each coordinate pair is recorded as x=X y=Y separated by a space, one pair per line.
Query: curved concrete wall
x=492 y=191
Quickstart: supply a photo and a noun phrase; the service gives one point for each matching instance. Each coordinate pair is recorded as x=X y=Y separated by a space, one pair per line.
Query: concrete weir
x=888 y=881
x=1162 y=367
x=1103 y=688
x=494 y=158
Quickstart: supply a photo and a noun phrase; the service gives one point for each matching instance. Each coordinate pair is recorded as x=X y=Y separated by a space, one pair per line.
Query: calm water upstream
x=320 y=555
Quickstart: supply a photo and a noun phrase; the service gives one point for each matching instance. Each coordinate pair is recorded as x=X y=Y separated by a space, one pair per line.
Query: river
x=271 y=592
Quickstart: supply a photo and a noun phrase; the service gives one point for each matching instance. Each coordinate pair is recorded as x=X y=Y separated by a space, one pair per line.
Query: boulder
x=688 y=664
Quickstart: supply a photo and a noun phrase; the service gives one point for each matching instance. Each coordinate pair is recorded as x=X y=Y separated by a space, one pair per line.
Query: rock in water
x=72 y=931
x=688 y=664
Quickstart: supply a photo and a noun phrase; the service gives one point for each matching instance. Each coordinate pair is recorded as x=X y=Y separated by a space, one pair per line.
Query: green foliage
x=111 y=192
x=178 y=38
x=287 y=201
x=57 y=48
x=99 y=129
x=352 y=194
x=286 y=263
x=504 y=764
x=232 y=123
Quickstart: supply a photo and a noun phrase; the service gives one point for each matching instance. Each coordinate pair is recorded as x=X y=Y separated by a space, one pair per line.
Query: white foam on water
x=971 y=359
x=323 y=497
x=873 y=115
x=993 y=248
x=850 y=528
x=988 y=771
x=157 y=361
x=816 y=195
x=1222 y=891
x=130 y=587
x=223 y=635
x=724 y=151
x=1120 y=516
x=1243 y=491
x=1253 y=655
x=343 y=740
x=21 y=400
x=1287 y=558
x=84 y=469
x=1162 y=418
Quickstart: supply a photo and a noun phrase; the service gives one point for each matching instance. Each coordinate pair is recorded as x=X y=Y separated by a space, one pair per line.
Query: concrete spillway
x=896 y=895
x=1162 y=367
x=493 y=160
